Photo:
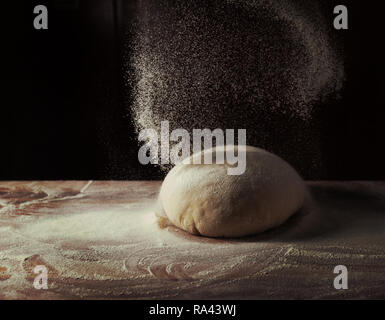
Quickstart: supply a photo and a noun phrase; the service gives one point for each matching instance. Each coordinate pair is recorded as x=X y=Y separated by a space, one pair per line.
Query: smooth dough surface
x=205 y=200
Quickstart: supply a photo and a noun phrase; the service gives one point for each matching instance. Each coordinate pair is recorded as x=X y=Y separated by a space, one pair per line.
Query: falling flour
x=259 y=65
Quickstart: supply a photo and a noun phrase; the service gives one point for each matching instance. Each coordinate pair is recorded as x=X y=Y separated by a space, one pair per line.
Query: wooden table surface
x=100 y=240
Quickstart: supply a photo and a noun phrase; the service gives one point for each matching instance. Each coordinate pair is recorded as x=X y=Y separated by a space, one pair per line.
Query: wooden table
x=100 y=240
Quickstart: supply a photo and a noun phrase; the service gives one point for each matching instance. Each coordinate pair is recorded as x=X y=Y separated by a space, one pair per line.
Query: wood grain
x=99 y=240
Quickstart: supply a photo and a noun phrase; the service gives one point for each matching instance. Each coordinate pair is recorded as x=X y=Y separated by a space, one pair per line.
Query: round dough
x=205 y=200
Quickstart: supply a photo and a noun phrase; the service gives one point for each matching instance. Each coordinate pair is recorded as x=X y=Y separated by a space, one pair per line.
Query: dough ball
x=204 y=199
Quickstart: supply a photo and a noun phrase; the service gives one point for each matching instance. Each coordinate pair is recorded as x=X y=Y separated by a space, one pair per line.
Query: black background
x=139 y=309
x=70 y=118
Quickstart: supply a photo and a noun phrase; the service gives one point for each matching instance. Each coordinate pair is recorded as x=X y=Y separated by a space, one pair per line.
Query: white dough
x=205 y=200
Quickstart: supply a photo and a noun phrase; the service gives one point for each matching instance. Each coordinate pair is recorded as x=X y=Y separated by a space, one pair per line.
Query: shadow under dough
x=332 y=210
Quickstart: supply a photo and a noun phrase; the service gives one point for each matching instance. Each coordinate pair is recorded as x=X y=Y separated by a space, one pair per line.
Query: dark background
x=70 y=119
